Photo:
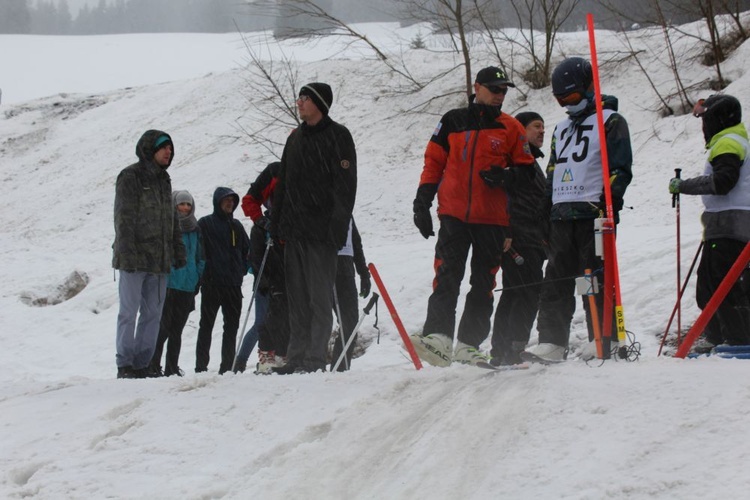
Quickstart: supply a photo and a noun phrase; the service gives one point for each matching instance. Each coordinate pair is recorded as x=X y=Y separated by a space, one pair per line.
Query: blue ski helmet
x=573 y=74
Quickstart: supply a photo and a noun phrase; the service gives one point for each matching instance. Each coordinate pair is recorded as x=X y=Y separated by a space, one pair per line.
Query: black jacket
x=314 y=198
x=226 y=244
x=529 y=219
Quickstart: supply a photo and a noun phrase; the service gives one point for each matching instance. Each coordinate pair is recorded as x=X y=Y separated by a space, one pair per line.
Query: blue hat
x=162 y=141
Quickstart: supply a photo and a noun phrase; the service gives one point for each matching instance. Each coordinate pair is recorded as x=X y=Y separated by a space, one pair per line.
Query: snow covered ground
x=656 y=428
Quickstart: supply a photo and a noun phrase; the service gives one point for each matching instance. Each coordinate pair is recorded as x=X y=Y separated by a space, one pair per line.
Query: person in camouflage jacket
x=148 y=242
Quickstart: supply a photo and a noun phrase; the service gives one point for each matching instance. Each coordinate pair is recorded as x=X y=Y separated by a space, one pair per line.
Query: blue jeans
x=251 y=337
x=141 y=296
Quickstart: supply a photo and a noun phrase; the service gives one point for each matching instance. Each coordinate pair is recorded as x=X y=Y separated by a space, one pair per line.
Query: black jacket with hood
x=225 y=242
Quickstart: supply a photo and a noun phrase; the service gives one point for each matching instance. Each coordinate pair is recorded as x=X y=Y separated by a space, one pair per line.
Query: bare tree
x=455 y=18
x=271 y=84
x=314 y=20
x=548 y=17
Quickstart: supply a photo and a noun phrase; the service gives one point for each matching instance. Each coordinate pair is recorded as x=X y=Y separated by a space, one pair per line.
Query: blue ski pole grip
x=371 y=304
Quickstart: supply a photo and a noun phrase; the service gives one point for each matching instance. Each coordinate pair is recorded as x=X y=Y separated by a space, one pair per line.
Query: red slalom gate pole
x=611 y=286
x=394 y=316
x=718 y=297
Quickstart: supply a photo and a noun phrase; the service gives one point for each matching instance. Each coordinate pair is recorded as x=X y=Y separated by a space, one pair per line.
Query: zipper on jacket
x=471 y=174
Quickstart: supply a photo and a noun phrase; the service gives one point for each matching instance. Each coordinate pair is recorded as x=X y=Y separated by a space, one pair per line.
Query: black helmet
x=572 y=75
x=720 y=112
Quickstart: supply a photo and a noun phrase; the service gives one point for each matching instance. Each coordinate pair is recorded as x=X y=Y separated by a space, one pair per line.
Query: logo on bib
x=567 y=175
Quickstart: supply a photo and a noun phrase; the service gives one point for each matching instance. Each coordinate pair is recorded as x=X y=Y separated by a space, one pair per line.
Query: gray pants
x=143 y=293
x=310 y=274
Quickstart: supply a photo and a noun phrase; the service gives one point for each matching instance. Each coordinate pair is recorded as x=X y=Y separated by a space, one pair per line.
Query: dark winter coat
x=226 y=244
x=261 y=192
x=314 y=198
x=529 y=221
x=147 y=233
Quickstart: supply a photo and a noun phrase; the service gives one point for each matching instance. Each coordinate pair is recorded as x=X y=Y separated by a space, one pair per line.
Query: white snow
x=656 y=428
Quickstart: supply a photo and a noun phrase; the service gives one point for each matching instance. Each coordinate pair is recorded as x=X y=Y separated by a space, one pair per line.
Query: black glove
x=423 y=221
x=264 y=223
x=617 y=203
x=364 y=285
x=495 y=176
x=180 y=262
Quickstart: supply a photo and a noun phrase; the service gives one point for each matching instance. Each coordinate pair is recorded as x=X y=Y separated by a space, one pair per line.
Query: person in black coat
x=227 y=246
x=312 y=207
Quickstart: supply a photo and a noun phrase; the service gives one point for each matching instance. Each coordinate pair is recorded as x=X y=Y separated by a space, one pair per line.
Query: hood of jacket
x=221 y=193
x=144 y=149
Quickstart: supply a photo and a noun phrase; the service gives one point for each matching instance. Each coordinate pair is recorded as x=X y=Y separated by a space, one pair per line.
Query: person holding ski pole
x=468 y=165
x=725 y=188
x=312 y=209
x=182 y=286
x=271 y=327
x=148 y=243
x=575 y=195
x=346 y=304
x=523 y=264
x=227 y=246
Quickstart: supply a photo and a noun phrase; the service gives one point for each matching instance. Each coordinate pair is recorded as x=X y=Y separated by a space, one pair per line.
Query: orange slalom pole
x=611 y=288
x=394 y=315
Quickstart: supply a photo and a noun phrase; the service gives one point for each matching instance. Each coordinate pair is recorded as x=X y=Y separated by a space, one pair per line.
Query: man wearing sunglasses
x=576 y=196
x=474 y=157
x=725 y=189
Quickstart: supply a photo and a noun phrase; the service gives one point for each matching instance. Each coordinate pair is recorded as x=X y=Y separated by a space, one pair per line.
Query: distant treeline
x=45 y=17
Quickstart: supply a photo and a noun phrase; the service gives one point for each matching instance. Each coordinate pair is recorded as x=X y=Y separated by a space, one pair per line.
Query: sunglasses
x=700 y=108
x=569 y=99
x=496 y=89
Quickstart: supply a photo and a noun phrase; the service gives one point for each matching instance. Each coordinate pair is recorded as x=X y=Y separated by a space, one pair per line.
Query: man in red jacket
x=473 y=159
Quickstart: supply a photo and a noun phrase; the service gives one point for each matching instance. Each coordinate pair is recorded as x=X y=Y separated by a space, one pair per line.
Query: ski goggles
x=700 y=108
x=569 y=99
x=496 y=89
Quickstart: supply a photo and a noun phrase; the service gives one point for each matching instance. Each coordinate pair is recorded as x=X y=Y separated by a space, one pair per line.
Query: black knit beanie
x=320 y=93
x=527 y=117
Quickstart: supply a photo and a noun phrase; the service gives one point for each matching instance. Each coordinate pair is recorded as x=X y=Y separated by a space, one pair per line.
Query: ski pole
x=365 y=312
x=269 y=244
x=676 y=206
x=340 y=337
x=681 y=292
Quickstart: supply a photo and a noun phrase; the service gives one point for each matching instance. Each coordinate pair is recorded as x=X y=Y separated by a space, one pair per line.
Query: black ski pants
x=571 y=253
x=275 y=334
x=177 y=307
x=731 y=322
x=310 y=269
x=455 y=238
x=229 y=299
x=348 y=303
x=519 y=301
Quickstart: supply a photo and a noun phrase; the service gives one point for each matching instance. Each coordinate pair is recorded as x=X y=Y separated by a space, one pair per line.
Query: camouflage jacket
x=147 y=233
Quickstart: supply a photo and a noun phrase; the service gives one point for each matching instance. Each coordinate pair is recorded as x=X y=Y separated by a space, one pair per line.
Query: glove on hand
x=423 y=221
x=264 y=223
x=617 y=203
x=364 y=285
x=494 y=176
x=674 y=185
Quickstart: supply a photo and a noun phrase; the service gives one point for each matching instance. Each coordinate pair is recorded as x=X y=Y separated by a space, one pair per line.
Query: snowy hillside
x=656 y=428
